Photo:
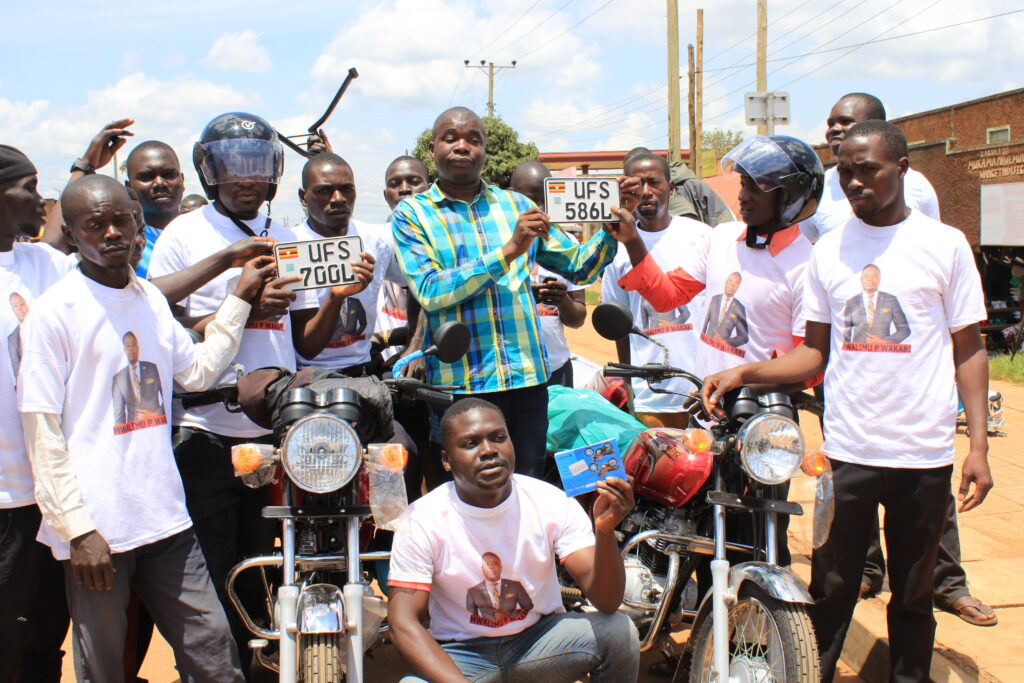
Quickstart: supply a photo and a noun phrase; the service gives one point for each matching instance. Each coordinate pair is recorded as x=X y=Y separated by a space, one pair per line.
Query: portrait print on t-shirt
x=137 y=391
x=725 y=325
x=653 y=322
x=351 y=324
x=496 y=601
x=20 y=307
x=874 y=320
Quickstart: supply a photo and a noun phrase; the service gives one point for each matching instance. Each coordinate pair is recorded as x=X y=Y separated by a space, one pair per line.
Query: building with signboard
x=973 y=154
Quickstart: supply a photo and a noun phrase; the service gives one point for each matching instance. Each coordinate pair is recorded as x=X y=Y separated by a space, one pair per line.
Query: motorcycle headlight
x=771 y=448
x=321 y=453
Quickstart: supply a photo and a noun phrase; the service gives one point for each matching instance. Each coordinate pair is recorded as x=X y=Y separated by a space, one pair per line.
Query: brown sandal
x=983 y=615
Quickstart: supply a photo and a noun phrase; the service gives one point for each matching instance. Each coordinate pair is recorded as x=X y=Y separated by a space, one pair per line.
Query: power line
x=553 y=38
x=608 y=117
x=736 y=65
x=506 y=30
x=879 y=40
x=751 y=83
x=857 y=47
x=751 y=35
x=854 y=48
x=544 y=21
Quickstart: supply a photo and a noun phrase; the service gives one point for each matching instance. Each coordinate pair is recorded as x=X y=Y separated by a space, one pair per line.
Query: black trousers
x=228 y=520
x=562 y=375
x=915 y=505
x=33 y=608
x=950 y=578
x=526 y=414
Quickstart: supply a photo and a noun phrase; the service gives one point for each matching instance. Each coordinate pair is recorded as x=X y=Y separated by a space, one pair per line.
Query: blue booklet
x=581 y=468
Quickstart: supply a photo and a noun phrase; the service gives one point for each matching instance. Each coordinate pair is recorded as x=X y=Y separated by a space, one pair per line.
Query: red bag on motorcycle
x=669 y=465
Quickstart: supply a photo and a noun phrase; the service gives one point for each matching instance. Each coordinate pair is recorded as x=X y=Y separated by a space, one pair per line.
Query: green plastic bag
x=580 y=417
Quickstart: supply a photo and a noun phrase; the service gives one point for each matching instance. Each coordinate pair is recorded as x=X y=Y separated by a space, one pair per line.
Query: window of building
x=1000 y=134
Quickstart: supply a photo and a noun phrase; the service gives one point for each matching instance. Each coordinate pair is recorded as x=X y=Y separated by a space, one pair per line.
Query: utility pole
x=490 y=67
x=698 y=81
x=762 y=53
x=691 y=105
x=674 y=119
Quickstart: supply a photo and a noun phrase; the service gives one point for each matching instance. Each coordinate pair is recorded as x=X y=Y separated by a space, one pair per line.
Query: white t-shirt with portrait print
x=189 y=239
x=26 y=272
x=350 y=343
x=552 y=330
x=764 y=313
x=676 y=329
x=447 y=543
x=890 y=391
x=80 y=343
x=834 y=208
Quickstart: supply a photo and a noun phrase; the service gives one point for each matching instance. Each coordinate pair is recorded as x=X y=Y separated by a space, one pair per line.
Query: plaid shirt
x=450 y=252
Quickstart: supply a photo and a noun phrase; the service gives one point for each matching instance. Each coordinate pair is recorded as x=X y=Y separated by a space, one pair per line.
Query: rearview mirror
x=613 y=320
x=451 y=341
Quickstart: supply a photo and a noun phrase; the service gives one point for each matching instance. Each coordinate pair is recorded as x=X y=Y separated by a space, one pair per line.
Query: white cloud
x=239 y=52
x=172 y=111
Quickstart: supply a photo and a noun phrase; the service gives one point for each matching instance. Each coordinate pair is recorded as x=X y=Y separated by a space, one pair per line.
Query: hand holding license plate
x=320 y=263
x=584 y=199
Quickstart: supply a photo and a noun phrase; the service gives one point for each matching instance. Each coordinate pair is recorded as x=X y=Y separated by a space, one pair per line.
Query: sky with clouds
x=590 y=74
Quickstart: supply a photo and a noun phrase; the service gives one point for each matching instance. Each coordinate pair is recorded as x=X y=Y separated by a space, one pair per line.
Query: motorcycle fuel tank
x=669 y=465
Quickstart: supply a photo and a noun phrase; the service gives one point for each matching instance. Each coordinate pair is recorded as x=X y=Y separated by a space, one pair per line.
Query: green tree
x=504 y=151
x=721 y=141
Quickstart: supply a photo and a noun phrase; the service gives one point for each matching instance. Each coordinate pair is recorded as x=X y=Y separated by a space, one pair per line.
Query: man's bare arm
x=407 y=610
x=971 y=363
x=806 y=360
x=177 y=286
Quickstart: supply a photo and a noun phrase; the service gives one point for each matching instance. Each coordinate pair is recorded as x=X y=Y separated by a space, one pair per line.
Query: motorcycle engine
x=645 y=571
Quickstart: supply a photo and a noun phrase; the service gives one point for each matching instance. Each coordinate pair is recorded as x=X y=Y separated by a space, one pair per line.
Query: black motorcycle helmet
x=237 y=147
x=782 y=162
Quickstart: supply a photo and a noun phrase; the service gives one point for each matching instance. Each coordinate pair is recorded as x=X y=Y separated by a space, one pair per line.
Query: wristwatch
x=83 y=166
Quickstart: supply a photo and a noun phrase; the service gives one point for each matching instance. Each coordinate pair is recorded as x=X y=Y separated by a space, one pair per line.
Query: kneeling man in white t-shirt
x=102 y=351
x=892 y=301
x=479 y=554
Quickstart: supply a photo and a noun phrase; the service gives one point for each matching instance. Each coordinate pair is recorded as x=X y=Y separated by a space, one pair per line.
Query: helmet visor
x=762 y=159
x=242 y=160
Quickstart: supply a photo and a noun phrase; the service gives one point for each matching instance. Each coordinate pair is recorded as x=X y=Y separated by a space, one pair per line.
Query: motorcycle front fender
x=321 y=609
x=772 y=579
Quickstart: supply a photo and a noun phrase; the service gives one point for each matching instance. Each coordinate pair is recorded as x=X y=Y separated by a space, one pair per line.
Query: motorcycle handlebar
x=432 y=396
x=651 y=371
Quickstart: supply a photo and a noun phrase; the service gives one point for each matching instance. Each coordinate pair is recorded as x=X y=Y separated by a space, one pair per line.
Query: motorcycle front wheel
x=320 y=658
x=770 y=641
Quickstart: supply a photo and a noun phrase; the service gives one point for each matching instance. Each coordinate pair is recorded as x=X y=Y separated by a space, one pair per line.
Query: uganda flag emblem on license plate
x=288 y=252
x=555 y=188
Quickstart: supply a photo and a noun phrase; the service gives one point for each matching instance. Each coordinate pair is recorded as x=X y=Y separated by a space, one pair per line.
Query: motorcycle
x=323 y=614
x=751 y=623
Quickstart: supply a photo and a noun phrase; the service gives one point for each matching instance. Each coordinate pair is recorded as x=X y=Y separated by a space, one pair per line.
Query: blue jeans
x=560 y=648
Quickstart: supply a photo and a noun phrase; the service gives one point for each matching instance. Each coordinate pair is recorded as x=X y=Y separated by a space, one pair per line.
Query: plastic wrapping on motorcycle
x=663 y=469
x=261 y=391
x=580 y=417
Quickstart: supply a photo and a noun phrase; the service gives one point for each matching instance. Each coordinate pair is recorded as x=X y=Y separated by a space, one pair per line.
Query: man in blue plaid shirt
x=467 y=250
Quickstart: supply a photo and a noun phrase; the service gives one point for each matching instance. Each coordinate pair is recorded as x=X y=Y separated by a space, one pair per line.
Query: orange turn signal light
x=698 y=441
x=393 y=457
x=814 y=464
x=246 y=457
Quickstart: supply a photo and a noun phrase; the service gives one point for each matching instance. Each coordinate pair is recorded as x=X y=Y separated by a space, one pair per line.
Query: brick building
x=964 y=148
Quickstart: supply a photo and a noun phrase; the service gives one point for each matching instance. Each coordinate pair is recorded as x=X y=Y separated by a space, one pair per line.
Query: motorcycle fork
x=287 y=605
x=353 y=593
x=719 y=592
